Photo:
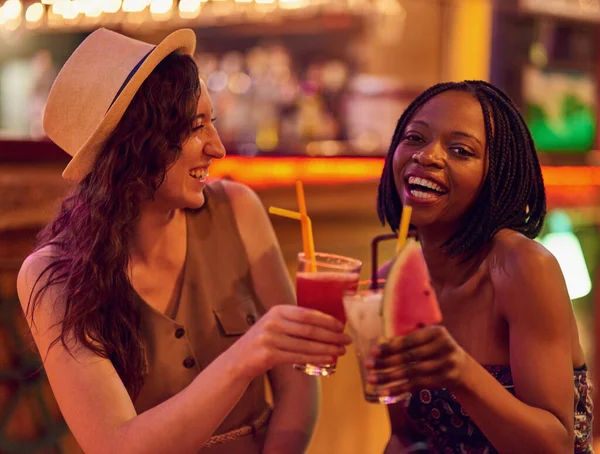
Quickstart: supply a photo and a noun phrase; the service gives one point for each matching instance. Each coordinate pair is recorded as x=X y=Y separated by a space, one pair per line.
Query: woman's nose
x=430 y=156
x=214 y=147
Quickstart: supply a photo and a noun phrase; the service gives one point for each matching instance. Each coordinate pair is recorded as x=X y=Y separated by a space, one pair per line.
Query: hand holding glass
x=322 y=289
x=365 y=323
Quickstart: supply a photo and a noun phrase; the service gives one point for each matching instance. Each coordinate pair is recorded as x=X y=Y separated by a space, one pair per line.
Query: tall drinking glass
x=365 y=323
x=323 y=290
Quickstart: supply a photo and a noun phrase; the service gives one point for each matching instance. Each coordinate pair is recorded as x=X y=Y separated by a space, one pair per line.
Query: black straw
x=374 y=256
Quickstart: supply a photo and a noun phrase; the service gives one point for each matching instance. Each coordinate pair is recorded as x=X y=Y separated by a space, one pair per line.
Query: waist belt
x=243 y=431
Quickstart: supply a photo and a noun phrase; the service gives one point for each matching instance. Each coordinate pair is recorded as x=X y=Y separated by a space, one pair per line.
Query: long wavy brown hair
x=90 y=237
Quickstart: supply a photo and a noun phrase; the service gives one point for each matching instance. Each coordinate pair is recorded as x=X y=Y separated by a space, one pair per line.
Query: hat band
x=129 y=76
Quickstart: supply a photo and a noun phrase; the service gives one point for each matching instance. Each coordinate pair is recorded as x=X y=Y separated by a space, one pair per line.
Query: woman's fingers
x=298 y=358
x=309 y=317
x=316 y=333
x=294 y=335
x=307 y=324
x=274 y=349
x=427 y=375
x=399 y=345
x=437 y=347
x=409 y=372
x=303 y=346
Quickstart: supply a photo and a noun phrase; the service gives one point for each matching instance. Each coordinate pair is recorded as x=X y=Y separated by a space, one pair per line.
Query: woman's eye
x=199 y=126
x=412 y=137
x=461 y=151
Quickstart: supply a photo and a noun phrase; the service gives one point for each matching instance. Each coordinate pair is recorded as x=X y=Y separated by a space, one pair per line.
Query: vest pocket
x=236 y=318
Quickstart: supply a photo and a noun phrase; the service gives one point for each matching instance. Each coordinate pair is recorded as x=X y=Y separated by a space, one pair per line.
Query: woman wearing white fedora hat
x=158 y=301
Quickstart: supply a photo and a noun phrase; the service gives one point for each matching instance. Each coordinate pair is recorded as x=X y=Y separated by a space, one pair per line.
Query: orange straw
x=309 y=250
x=308 y=243
x=404 y=225
x=312 y=260
x=285 y=213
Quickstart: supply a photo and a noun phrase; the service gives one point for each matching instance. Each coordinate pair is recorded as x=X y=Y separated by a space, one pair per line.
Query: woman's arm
x=295 y=394
x=99 y=411
x=531 y=296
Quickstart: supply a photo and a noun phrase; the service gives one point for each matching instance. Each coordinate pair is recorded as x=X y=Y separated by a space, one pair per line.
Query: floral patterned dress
x=436 y=414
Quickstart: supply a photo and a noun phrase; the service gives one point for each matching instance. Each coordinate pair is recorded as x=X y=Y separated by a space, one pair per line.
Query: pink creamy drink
x=324 y=290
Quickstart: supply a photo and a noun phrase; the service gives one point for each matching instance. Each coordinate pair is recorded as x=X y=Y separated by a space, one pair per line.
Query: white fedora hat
x=94 y=88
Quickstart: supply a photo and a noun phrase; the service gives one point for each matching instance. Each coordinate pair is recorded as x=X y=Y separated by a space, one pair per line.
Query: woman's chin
x=196 y=202
x=423 y=218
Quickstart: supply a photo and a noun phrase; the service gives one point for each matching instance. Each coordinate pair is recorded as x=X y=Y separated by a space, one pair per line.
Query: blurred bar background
x=310 y=90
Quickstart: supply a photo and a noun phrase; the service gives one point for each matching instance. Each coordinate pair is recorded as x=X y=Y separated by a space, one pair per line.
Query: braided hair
x=512 y=195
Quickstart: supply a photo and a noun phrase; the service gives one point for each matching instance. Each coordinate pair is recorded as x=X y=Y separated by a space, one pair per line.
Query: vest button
x=251 y=319
x=179 y=332
x=189 y=362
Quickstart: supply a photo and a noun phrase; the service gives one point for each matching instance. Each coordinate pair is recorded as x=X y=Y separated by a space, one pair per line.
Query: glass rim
x=361 y=292
x=349 y=263
x=367 y=283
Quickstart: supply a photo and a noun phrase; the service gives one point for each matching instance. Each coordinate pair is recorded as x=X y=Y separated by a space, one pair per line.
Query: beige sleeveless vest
x=216 y=306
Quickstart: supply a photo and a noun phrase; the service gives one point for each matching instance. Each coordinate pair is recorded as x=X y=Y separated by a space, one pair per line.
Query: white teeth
x=199 y=174
x=421 y=195
x=425 y=183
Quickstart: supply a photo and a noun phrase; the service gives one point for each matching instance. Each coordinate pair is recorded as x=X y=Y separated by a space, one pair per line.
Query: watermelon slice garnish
x=409 y=301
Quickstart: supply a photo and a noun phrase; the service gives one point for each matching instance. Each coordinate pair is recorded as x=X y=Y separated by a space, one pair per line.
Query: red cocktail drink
x=324 y=290
x=322 y=287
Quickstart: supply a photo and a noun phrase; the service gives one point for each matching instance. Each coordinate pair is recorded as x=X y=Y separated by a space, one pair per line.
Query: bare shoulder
x=269 y=274
x=251 y=218
x=242 y=197
x=523 y=270
x=519 y=256
x=250 y=214
x=32 y=274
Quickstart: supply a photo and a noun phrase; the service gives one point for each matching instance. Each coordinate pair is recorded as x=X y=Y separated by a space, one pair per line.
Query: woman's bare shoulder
x=34 y=265
x=523 y=271
x=512 y=251
x=32 y=275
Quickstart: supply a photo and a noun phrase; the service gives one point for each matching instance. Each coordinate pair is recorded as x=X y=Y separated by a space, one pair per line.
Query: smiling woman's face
x=440 y=162
x=185 y=180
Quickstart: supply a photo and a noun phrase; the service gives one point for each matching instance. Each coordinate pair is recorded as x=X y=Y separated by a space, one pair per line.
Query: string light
x=34 y=12
x=161 y=10
x=12 y=9
x=58 y=8
x=111 y=6
x=189 y=9
x=91 y=8
x=161 y=6
x=67 y=13
x=134 y=6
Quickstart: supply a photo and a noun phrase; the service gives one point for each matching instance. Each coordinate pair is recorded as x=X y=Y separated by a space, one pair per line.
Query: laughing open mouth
x=200 y=173
x=422 y=188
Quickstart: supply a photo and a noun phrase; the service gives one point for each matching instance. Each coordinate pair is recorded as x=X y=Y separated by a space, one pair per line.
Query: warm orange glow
x=259 y=171
x=264 y=171
x=573 y=196
x=572 y=176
